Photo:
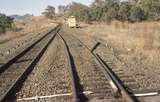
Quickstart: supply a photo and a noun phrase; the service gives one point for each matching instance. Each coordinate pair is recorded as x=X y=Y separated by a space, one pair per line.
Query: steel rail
x=28 y=69
x=12 y=60
x=125 y=94
x=72 y=70
x=114 y=82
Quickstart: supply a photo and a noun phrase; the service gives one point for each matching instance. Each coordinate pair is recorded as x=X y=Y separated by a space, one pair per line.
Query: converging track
x=116 y=86
x=89 y=78
x=72 y=72
x=115 y=83
x=124 y=84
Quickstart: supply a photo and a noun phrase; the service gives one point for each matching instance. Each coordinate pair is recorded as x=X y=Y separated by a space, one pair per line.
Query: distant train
x=71 y=22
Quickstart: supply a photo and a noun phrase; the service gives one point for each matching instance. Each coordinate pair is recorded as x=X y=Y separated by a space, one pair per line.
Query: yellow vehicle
x=72 y=22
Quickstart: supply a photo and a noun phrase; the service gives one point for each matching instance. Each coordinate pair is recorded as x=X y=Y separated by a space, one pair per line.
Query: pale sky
x=35 y=7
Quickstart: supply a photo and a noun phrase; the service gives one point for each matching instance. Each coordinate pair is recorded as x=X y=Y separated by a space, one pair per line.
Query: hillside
x=16 y=17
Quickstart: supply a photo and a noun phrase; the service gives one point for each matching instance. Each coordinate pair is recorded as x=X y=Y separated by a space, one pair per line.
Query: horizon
x=19 y=7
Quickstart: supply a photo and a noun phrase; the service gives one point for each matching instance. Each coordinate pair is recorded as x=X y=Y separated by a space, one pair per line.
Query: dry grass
x=34 y=23
x=145 y=35
x=29 y=25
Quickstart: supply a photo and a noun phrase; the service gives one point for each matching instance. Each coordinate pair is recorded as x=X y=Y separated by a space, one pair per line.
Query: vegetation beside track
x=6 y=23
x=109 y=10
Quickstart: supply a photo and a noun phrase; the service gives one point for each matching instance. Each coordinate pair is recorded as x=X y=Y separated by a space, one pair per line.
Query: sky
x=21 y=7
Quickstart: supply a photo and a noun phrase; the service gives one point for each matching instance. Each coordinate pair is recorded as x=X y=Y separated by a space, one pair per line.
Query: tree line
x=108 y=10
x=131 y=10
x=6 y=23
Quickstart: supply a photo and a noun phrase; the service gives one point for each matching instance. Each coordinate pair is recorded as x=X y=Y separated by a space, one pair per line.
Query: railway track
x=91 y=78
x=78 y=94
x=94 y=83
x=50 y=80
x=116 y=86
x=127 y=79
x=125 y=85
x=72 y=71
x=15 y=71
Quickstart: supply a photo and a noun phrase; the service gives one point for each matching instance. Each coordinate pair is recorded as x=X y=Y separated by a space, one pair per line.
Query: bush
x=137 y=14
x=6 y=23
x=151 y=9
x=96 y=13
x=124 y=11
x=110 y=15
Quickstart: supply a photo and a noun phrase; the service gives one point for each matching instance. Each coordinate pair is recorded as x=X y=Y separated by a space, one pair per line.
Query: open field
x=134 y=36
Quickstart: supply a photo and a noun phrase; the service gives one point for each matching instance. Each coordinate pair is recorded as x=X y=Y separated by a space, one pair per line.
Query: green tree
x=105 y=10
x=49 y=12
x=80 y=11
x=110 y=15
x=61 y=9
x=137 y=14
x=96 y=13
x=124 y=11
x=76 y=7
x=108 y=10
x=6 y=22
x=151 y=8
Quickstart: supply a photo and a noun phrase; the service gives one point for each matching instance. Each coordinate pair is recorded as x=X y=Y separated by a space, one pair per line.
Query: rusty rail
x=72 y=71
x=116 y=85
x=28 y=69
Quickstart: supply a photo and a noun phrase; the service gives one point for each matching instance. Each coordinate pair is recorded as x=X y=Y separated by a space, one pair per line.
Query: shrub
x=124 y=11
x=96 y=13
x=151 y=9
x=110 y=15
x=137 y=14
x=6 y=23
